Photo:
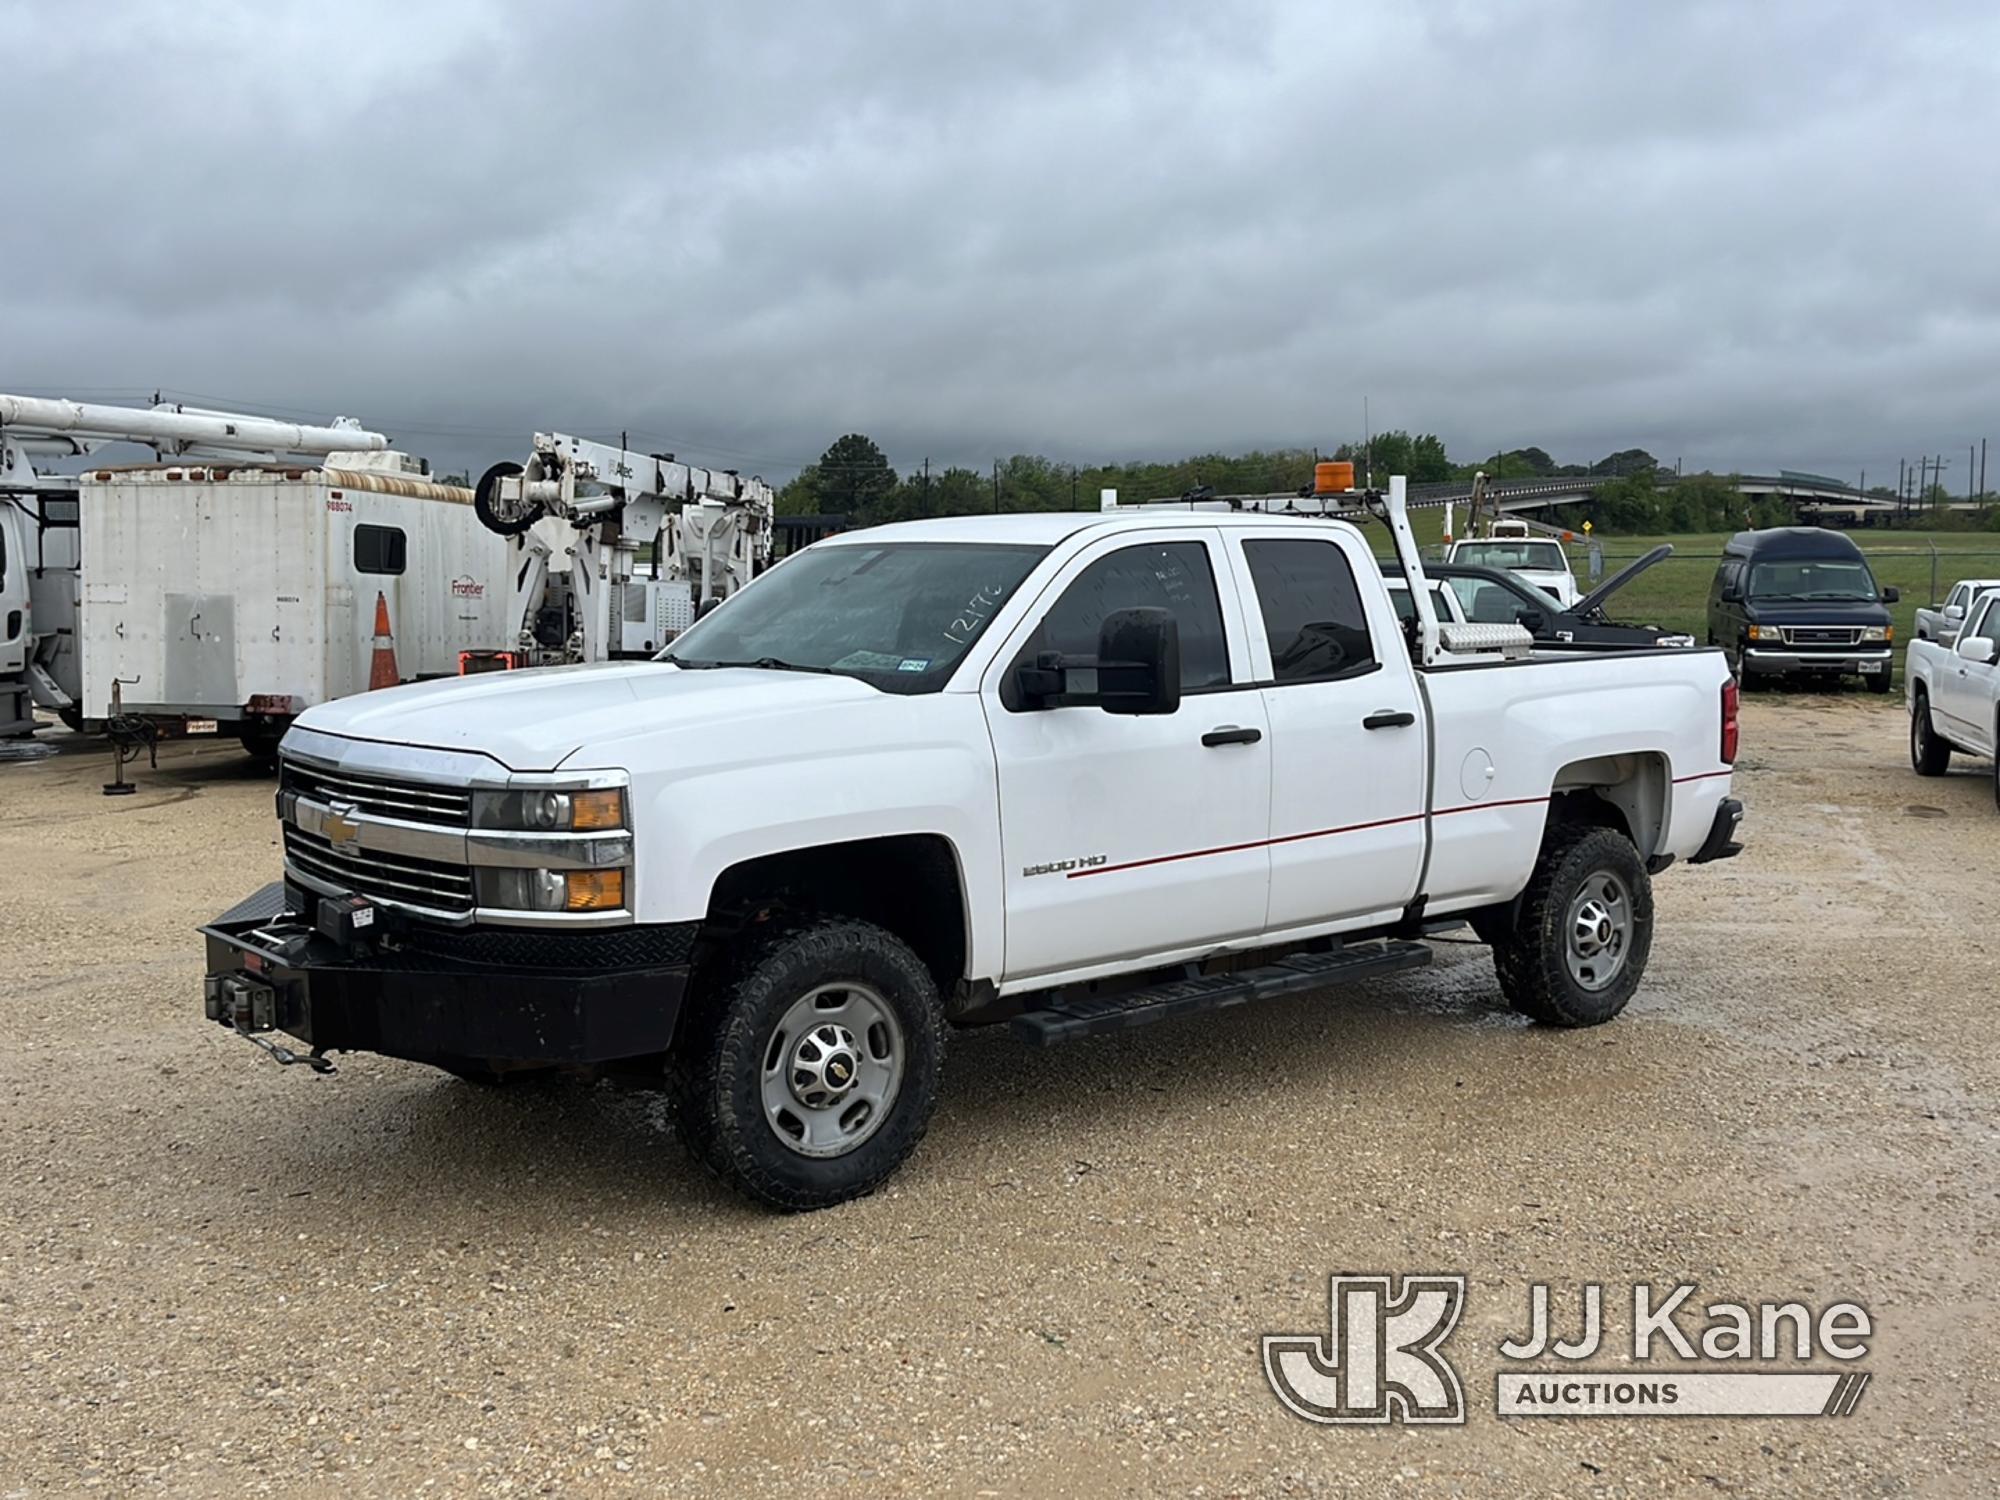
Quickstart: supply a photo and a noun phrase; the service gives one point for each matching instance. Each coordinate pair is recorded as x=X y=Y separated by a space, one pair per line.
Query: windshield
x=1542 y=557
x=1818 y=578
x=898 y=616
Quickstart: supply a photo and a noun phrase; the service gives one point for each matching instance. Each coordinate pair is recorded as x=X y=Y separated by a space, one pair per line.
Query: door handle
x=1229 y=734
x=1389 y=718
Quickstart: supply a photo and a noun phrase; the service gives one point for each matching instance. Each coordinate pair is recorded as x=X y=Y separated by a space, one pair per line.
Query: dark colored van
x=1800 y=601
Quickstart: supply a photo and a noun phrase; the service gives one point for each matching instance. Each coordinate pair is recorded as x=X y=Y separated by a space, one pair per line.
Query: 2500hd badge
x=1059 y=866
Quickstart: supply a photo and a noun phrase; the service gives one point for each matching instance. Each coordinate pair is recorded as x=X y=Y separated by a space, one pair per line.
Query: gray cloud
x=1740 y=235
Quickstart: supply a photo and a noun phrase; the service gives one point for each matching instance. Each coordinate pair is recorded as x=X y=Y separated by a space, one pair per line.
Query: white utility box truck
x=228 y=585
x=1074 y=772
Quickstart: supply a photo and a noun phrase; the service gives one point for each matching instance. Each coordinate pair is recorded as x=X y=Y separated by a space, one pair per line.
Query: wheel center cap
x=826 y=1062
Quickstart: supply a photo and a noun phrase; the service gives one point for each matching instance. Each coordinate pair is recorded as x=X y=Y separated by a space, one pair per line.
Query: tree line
x=854 y=478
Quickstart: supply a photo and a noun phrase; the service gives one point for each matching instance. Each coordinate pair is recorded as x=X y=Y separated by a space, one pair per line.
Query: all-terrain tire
x=1880 y=682
x=731 y=1039
x=1536 y=963
x=1930 y=753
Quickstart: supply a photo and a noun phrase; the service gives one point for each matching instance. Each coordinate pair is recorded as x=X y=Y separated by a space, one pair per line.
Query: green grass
x=1674 y=594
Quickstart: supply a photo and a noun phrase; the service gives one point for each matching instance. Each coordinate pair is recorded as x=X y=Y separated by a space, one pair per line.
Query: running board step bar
x=1071 y=1014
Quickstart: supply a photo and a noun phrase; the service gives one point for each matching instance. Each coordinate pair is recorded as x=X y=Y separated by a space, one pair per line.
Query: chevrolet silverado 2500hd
x=1075 y=772
x=1954 y=693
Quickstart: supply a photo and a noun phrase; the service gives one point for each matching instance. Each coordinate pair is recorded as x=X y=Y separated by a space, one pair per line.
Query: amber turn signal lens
x=590 y=811
x=596 y=890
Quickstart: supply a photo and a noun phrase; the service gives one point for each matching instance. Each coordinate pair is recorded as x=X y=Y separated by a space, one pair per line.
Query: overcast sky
x=1745 y=235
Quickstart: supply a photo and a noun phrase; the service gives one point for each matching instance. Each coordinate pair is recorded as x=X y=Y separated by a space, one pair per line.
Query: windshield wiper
x=774 y=664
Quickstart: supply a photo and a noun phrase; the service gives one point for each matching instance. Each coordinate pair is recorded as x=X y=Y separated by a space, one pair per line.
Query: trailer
x=228 y=595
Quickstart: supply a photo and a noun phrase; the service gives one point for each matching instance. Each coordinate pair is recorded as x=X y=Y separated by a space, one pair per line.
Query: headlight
x=1878 y=633
x=551 y=890
x=1767 y=632
x=545 y=810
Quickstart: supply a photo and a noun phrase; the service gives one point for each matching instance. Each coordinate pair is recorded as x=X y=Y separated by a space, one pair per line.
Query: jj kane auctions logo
x=1382 y=1360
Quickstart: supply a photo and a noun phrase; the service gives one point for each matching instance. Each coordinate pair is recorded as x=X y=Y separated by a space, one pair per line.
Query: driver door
x=1126 y=836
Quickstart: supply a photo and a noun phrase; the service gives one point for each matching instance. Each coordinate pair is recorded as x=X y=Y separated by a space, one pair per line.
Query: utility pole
x=927 y=485
x=1982 y=471
x=1072 y=486
x=996 y=486
x=1899 y=489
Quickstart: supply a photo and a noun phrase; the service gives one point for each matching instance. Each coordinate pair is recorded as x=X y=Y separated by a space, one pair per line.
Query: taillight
x=1731 y=733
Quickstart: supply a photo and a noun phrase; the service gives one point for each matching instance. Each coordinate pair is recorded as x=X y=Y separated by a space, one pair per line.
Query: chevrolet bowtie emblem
x=337 y=823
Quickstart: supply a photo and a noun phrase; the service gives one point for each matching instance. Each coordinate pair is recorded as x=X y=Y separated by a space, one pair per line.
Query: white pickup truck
x=1942 y=624
x=1541 y=561
x=1954 y=693
x=1074 y=772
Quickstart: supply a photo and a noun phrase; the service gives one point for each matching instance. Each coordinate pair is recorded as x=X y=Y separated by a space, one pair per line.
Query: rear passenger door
x=1348 y=758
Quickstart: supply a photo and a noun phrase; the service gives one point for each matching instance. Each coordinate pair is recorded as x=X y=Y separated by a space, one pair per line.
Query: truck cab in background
x=1942 y=624
x=1538 y=560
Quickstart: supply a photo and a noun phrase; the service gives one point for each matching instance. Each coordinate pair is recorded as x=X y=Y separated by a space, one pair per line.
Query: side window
x=1981 y=623
x=1169 y=575
x=380 y=549
x=1956 y=596
x=1312 y=610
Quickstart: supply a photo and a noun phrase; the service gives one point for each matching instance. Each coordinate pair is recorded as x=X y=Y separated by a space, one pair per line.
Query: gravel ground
x=220 y=1276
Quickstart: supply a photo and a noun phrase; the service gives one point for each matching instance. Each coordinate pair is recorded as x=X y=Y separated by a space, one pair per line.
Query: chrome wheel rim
x=832 y=1069
x=1600 y=930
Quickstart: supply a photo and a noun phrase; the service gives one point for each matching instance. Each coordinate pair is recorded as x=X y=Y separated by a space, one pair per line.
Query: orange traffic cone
x=382 y=666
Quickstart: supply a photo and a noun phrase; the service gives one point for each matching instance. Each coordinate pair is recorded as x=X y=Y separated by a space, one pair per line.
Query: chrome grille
x=386 y=797
x=1821 y=635
x=398 y=878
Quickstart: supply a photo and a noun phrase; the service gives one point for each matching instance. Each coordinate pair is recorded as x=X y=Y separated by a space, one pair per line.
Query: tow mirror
x=1137 y=665
x=1892 y=596
x=1533 y=621
x=1731 y=594
x=1139 y=661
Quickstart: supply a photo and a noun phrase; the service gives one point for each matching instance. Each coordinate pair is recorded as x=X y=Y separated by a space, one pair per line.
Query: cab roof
x=1046 y=528
x=1794 y=541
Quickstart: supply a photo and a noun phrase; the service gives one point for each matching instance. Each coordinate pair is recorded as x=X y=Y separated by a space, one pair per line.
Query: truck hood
x=535 y=720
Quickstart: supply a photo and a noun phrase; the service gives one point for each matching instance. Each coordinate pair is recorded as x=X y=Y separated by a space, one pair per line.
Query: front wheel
x=810 y=1075
x=1929 y=755
x=1878 y=682
x=1578 y=949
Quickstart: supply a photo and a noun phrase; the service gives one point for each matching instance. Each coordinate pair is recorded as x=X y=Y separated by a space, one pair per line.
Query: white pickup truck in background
x=1942 y=624
x=1077 y=772
x=1953 y=693
x=1540 y=561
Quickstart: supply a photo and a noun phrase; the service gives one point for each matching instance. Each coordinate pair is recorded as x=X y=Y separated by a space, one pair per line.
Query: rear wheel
x=1930 y=755
x=1579 y=947
x=810 y=1074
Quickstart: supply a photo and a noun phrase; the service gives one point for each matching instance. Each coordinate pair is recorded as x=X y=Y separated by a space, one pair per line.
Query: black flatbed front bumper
x=281 y=960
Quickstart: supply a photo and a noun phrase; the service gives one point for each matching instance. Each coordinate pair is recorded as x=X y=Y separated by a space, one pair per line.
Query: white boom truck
x=230 y=583
x=655 y=544
x=1953 y=692
x=1075 y=772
